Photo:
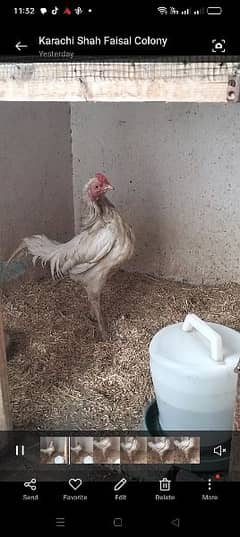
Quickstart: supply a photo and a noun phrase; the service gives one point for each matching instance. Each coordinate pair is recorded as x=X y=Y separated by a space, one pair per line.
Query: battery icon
x=214 y=10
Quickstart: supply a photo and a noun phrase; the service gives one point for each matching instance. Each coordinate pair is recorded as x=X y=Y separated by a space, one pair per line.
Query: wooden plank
x=114 y=91
x=116 y=82
x=5 y=413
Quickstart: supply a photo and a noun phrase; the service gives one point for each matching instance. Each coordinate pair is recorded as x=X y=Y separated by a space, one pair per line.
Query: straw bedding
x=61 y=376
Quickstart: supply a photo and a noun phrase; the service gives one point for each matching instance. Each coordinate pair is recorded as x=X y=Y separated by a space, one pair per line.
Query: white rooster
x=77 y=449
x=185 y=444
x=104 y=443
x=130 y=445
x=105 y=242
x=49 y=450
x=160 y=445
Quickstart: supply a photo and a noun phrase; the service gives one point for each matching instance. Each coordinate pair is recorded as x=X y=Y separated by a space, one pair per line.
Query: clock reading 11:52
x=24 y=11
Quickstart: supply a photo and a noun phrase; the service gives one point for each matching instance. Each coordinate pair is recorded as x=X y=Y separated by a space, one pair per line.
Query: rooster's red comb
x=102 y=179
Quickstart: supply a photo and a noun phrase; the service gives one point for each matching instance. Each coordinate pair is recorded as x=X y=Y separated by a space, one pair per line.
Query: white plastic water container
x=192 y=368
x=59 y=460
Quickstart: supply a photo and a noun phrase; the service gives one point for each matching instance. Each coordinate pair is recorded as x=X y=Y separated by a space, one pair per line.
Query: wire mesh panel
x=168 y=81
x=217 y=72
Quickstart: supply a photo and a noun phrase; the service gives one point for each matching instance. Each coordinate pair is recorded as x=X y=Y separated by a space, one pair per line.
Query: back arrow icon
x=176 y=522
x=19 y=46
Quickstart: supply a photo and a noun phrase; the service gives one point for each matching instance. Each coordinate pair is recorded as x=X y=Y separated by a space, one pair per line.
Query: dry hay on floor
x=112 y=456
x=62 y=377
x=46 y=459
x=79 y=459
x=139 y=457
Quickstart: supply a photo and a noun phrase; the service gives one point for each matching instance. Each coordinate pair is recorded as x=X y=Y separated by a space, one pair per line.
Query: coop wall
x=35 y=172
x=175 y=167
x=176 y=171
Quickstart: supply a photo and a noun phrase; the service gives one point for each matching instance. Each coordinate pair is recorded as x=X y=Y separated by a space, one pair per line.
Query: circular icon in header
x=219 y=46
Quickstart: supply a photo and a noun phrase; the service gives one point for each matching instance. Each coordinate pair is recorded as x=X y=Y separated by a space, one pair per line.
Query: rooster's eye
x=96 y=186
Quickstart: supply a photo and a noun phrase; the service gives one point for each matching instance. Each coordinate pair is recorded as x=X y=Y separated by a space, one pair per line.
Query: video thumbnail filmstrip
x=119 y=450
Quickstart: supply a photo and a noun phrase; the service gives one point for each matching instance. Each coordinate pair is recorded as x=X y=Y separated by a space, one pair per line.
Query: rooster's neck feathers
x=94 y=209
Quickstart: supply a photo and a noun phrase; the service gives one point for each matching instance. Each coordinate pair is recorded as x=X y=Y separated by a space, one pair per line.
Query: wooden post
x=234 y=467
x=5 y=413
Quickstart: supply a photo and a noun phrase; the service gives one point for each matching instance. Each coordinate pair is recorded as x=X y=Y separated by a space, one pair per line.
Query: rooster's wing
x=77 y=255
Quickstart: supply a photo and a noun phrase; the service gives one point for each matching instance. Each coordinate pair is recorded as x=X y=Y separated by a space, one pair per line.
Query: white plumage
x=77 y=449
x=161 y=445
x=130 y=445
x=185 y=444
x=49 y=450
x=103 y=444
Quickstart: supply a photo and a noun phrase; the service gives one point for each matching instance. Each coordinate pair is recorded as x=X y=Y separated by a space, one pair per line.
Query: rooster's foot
x=103 y=334
x=92 y=317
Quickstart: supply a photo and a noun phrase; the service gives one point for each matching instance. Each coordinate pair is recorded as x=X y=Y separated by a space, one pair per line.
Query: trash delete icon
x=165 y=484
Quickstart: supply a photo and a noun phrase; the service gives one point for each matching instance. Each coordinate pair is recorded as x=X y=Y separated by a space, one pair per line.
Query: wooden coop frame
x=140 y=81
x=5 y=412
x=143 y=81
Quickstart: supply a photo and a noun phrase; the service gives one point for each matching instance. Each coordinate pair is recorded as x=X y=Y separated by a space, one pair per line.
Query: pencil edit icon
x=120 y=484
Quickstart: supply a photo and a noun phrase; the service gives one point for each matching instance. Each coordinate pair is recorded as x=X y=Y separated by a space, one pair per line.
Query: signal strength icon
x=174 y=11
x=163 y=10
x=197 y=12
x=186 y=12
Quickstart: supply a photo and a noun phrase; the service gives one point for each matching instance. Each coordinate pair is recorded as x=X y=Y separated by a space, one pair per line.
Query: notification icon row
x=65 y=11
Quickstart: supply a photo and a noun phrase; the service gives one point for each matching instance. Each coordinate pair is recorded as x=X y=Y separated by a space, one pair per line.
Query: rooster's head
x=98 y=186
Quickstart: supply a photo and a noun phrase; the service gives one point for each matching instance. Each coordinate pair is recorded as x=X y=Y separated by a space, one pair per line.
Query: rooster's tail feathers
x=42 y=248
x=16 y=252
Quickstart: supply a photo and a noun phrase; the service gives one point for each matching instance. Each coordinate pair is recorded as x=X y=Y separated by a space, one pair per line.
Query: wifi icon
x=163 y=10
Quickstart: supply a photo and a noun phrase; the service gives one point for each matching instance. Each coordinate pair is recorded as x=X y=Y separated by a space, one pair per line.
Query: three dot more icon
x=215 y=478
x=165 y=484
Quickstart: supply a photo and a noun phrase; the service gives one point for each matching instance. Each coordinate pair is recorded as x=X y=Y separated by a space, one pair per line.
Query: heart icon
x=75 y=483
x=67 y=11
x=43 y=10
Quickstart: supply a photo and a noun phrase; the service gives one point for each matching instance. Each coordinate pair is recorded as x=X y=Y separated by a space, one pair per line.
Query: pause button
x=19 y=450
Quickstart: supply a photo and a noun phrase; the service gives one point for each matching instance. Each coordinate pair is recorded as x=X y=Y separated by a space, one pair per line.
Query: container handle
x=193 y=321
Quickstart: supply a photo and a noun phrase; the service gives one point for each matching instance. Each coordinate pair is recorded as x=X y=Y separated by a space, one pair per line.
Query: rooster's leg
x=104 y=452
x=92 y=315
x=95 y=310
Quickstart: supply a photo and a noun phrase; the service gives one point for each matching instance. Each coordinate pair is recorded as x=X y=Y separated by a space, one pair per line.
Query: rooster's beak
x=109 y=187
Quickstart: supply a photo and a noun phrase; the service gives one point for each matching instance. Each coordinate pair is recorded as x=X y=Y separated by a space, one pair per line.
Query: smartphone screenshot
x=119 y=267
